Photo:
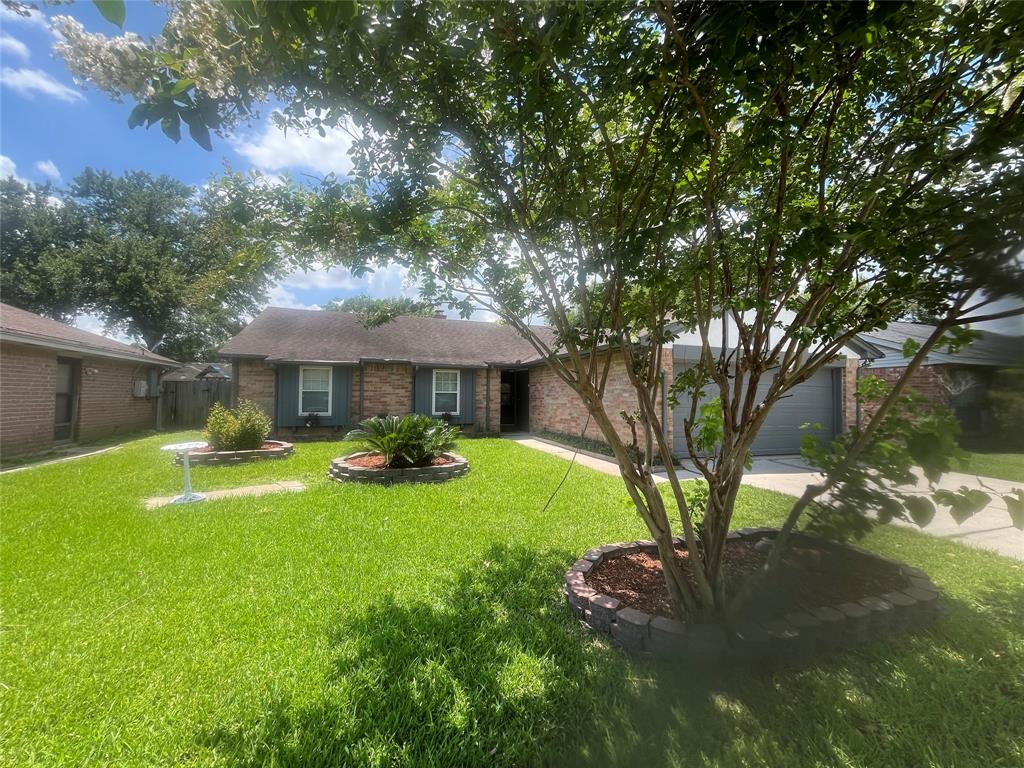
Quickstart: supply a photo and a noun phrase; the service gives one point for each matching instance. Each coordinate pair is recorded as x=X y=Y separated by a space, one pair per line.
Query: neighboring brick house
x=321 y=372
x=62 y=384
x=958 y=380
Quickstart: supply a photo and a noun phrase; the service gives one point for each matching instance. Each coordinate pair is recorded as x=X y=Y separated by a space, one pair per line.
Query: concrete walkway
x=290 y=486
x=989 y=529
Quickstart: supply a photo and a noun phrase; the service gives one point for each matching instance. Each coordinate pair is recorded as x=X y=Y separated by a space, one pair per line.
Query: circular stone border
x=790 y=637
x=342 y=471
x=195 y=458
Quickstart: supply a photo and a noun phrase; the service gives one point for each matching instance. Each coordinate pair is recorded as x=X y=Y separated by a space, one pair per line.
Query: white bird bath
x=183 y=448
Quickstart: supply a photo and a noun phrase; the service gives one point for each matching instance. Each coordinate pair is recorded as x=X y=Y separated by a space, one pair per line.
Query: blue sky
x=51 y=129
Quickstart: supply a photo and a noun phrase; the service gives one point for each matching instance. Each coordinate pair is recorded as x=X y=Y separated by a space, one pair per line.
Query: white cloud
x=29 y=82
x=12 y=46
x=271 y=149
x=302 y=290
x=8 y=169
x=49 y=169
x=33 y=19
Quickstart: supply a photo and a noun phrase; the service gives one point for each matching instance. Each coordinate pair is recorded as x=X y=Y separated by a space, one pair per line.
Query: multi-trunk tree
x=773 y=177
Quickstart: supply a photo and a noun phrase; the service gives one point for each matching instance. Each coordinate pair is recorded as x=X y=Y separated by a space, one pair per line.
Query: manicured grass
x=1008 y=466
x=355 y=625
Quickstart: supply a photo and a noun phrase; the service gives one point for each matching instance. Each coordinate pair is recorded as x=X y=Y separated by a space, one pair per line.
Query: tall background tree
x=176 y=267
x=773 y=177
x=375 y=312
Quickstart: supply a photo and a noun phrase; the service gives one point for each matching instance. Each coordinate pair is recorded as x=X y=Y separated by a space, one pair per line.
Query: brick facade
x=555 y=407
x=931 y=381
x=849 y=393
x=480 y=415
x=28 y=381
x=106 y=406
x=255 y=380
x=387 y=390
x=381 y=388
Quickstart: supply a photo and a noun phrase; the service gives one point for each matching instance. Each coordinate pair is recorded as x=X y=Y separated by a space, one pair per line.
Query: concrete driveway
x=988 y=529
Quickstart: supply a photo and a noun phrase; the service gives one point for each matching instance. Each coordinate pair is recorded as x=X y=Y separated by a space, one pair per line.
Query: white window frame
x=458 y=391
x=330 y=388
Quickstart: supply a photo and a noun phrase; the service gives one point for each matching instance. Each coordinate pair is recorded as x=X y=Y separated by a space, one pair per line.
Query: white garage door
x=813 y=402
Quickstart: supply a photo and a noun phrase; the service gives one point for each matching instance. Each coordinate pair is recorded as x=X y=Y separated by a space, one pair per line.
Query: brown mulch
x=809 y=577
x=376 y=461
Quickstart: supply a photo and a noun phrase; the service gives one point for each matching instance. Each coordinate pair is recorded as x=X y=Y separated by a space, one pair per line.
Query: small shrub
x=406 y=441
x=253 y=426
x=243 y=429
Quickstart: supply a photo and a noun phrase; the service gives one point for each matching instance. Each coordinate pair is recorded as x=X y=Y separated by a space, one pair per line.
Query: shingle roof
x=987 y=349
x=199 y=372
x=30 y=328
x=303 y=335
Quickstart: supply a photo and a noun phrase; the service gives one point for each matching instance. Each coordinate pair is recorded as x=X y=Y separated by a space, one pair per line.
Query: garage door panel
x=813 y=402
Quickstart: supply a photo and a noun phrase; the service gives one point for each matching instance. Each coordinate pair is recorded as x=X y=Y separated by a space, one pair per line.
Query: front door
x=515 y=406
x=67 y=400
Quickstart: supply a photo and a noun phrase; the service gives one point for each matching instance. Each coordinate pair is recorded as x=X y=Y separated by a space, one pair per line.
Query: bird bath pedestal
x=188 y=496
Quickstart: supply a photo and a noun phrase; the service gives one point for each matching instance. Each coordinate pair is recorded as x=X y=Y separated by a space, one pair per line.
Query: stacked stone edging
x=279 y=451
x=342 y=471
x=790 y=637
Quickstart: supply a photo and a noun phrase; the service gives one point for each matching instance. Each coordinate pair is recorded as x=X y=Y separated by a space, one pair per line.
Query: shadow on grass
x=494 y=671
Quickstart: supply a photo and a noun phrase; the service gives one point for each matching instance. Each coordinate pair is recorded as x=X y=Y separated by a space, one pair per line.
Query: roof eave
x=85 y=349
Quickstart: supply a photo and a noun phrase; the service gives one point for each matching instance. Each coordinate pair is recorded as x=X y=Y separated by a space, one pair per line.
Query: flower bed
x=271 y=449
x=880 y=597
x=363 y=468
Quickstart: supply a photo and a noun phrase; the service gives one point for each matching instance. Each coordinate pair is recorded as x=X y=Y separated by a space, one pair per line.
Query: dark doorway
x=515 y=400
x=66 y=405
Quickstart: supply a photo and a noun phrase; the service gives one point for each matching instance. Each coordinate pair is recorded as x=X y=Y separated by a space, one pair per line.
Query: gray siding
x=424 y=391
x=288 y=397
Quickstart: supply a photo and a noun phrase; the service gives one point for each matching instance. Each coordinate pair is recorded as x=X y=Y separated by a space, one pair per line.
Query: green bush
x=406 y=441
x=1006 y=399
x=243 y=429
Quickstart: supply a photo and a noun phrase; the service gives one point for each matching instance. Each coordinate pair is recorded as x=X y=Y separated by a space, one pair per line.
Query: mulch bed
x=810 y=577
x=211 y=449
x=376 y=461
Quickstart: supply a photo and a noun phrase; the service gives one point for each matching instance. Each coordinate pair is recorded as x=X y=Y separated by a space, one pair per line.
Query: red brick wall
x=480 y=422
x=929 y=380
x=387 y=390
x=28 y=384
x=849 y=393
x=255 y=381
x=106 y=406
x=555 y=407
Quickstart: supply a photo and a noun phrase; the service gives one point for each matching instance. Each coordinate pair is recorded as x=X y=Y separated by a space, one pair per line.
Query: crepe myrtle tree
x=775 y=178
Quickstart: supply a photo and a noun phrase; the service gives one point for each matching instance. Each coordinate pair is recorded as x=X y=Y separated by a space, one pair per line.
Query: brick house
x=957 y=380
x=61 y=384
x=322 y=372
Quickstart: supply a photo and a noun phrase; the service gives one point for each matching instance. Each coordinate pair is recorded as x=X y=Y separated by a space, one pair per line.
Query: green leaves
x=921 y=509
x=112 y=10
x=1015 y=506
x=963 y=503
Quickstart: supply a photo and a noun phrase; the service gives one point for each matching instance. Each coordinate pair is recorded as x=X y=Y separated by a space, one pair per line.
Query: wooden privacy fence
x=186 y=403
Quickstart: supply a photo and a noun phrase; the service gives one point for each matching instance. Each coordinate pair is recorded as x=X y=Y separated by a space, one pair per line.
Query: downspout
x=277 y=384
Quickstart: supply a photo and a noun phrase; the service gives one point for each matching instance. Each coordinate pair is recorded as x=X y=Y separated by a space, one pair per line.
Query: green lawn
x=1008 y=466
x=352 y=625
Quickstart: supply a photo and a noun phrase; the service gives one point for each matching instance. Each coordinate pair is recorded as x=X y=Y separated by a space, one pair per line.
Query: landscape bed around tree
x=369 y=467
x=271 y=449
x=828 y=596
